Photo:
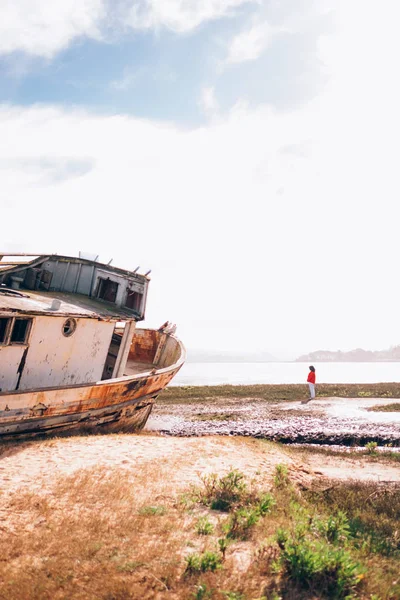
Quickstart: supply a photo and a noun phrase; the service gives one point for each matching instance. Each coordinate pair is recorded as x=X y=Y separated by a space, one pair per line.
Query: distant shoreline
x=304 y=361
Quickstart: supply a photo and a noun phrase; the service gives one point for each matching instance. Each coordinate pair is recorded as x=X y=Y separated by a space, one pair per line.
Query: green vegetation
x=223 y=544
x=152 y=510
x=333 y=544
x=202 y=592
x=222 y=493
x=373 y=514
x=200 y=563
x=241 y=523
x=204 y=527
x=371 y=447
x=332 y=536
x=335 y=528
x=316 y=564
x=281 y=478
x=314 y=554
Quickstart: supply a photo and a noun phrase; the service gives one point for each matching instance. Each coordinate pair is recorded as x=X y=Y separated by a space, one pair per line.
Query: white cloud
x=180 y=15
x=43 y=28
x=251 y=43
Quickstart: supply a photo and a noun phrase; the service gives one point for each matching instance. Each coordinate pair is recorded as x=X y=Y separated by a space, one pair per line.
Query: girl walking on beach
x=311 y=382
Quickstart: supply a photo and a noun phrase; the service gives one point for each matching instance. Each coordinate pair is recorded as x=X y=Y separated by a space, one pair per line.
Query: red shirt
x=311 y=377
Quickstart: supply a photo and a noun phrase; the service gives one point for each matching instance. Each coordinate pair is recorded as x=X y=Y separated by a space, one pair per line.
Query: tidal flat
x=341 y=414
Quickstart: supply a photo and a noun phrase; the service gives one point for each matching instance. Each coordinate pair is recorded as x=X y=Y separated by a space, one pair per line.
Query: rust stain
x=144 y=347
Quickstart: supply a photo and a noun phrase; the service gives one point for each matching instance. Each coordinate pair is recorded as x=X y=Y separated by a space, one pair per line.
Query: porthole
x=69 y=327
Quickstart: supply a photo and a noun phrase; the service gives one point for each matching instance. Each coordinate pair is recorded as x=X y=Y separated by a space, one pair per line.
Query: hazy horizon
x=243 y=150
x=283 y=356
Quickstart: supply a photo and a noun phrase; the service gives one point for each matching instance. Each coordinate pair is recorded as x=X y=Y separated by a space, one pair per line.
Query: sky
x=246 y=151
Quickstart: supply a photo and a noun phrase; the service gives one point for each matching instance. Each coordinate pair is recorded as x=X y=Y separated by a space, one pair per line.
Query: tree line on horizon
x=357 y=355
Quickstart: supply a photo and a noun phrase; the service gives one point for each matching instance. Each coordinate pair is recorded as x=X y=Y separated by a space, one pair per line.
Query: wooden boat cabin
x=66 y=321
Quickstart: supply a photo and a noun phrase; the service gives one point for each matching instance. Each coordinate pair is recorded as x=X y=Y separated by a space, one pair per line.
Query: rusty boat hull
x=107 y=406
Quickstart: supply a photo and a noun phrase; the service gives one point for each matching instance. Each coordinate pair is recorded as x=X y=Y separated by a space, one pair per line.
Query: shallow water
x=281 y=373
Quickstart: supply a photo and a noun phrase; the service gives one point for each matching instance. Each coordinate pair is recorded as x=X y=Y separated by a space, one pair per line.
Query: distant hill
x=357 y=355
x=225 y=356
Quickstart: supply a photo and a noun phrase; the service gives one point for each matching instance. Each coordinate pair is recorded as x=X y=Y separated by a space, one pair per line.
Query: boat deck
x=134 y=367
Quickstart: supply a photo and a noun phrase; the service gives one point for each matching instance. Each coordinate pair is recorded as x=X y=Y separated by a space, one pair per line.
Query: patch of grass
x=241 y=523
x=223 y=544
x=230 y=493
x=222 y=493
x=200 y=563
x=152 y=510
x=202 y=592
x=265 y=503
x=316 y=564
x=371 y=447
x=204 y=527
x=314 y=554
x=335 y=528
x=372 y=513
x=394 y=407
x=281 y=478
x=338 y=541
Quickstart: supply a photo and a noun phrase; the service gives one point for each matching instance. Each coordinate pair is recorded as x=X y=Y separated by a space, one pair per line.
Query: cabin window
x=107 y=290
x=4 y=325
x=20 y=331
x=69 y=327
x=133 y=300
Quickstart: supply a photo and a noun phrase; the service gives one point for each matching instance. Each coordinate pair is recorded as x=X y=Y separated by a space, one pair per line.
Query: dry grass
x=89 y=538
x=275 y=393
x=394 y=407
x=213 y=416
x=119 y=534
x=361 y=455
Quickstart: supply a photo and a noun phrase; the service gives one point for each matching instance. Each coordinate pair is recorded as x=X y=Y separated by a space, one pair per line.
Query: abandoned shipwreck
x=71 y=357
